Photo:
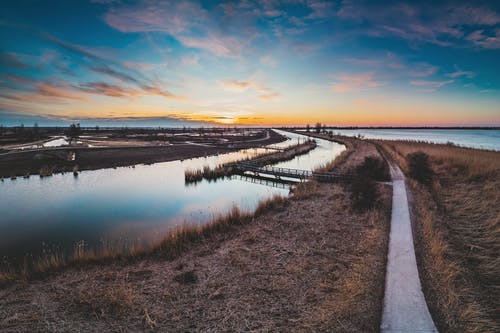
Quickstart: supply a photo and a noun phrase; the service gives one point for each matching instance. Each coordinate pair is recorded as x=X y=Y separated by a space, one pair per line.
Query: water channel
x=137 y=204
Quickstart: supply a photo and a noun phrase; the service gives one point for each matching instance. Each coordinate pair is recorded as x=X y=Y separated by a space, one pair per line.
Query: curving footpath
x=405 y=309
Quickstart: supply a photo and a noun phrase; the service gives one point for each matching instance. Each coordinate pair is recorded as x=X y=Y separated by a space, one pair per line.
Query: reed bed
x=226 y=170
x=457 y=224
x=171 y=245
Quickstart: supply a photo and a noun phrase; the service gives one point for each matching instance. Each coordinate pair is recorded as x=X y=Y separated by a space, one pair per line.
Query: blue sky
x=270 y=62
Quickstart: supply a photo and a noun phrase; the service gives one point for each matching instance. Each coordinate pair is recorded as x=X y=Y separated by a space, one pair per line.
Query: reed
x=457 y=226
x=226 y=170
x=175 y=241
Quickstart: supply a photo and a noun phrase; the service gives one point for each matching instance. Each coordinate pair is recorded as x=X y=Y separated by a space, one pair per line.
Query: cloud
x=155 y=90
x=103 y=88
x=460 y=73
x=269 y=96
x=234 y=85
x=56 y=92
x=482 y=39
x=391 y=64
x=10 y=60
x=425 y=23
x=143 y=66
x=104 y=69
x=186 y=21
x=268 y=61
x=430 y=84
x=320 y=9
x=422 y=70
x=44 y=92
x=265 y=93
x=305 y=47
x=191 y=60
x=348 y=82
x=222 y=46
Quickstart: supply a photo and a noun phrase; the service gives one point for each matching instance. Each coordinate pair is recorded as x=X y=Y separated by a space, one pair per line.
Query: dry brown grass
x=457 y=224
x=306 y=190
x=115 y=299
x=172 y=244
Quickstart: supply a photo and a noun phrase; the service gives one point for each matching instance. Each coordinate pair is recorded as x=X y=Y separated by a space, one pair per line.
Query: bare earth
x=312 y=264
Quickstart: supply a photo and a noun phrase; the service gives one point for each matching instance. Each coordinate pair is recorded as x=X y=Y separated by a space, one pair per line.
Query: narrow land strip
x=405 y=309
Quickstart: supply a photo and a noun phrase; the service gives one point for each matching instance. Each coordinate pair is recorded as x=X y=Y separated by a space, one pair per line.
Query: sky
x=257 y=63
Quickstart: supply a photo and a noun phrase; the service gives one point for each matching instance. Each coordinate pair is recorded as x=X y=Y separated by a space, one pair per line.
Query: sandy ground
x=312 y=264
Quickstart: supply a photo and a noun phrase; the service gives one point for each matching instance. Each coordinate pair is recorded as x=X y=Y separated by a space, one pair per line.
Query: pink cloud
x=348 y=82
x=430 y=84
x=270 y=96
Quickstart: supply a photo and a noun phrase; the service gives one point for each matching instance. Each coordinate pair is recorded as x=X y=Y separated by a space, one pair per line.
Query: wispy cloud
x=104 y=69
x=269 y=96
x=186 y=21
x=483 y=39
x=9 y=60
x=264 y=92
x=354 y=82
x=459 y=73
x=268 y=60
x=430 y=86
x=235 y=85
x=220 y=45
x=426 y=24
x=103 y=88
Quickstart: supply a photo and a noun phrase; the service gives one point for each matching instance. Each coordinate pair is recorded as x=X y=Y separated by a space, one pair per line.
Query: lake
x=482 y=139
x=131 y=204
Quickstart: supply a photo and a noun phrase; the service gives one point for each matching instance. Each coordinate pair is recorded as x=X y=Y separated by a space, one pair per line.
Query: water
x=481 y=139
x=127 y=204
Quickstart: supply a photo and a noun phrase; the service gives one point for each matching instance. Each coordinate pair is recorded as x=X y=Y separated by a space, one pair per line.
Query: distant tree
x=19 y=131
x=318 y=127
x=97 y=128
x=308 y=128
x=36 y=130
x=74 y=132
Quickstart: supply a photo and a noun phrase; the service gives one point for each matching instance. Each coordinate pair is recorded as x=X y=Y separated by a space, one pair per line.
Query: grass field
x=457 y=224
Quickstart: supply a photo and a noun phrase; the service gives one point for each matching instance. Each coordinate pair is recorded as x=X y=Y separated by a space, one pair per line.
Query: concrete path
x=405 y=309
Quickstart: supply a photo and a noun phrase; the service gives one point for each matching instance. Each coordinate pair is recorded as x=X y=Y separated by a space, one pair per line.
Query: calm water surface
x=482 y=139
x=127 y=204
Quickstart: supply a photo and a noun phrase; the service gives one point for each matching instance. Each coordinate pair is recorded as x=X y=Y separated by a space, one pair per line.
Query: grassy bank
x=457 y=233
x=170 y=246
x=307 y=263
